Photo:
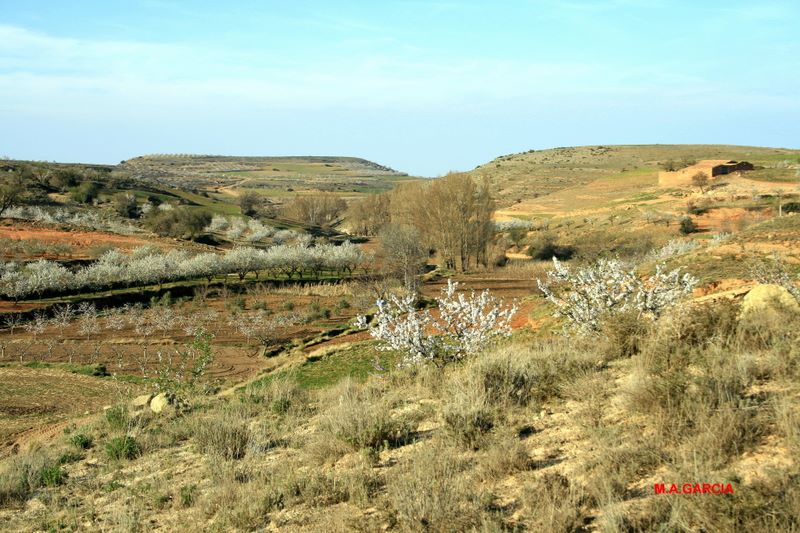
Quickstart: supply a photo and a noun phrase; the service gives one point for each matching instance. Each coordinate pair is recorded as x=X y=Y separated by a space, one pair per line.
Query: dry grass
x=361 y=418
x=551 y=435
x=430 y=492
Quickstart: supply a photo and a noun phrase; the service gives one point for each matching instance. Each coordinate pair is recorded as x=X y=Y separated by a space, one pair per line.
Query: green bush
x=187 y=495
x=81 y=441
x=117 y=417
x=179 y=222
x=687 y=226
x=86 y=192
x=51 y=476
x=124 y=447
x=545 y=247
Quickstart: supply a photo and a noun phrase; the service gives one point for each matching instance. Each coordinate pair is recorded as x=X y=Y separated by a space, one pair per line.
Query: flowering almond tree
x=465 y=325
x=608 y=287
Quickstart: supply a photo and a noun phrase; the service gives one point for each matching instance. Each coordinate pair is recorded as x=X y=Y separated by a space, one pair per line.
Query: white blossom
x=465 y=325
x=608 y=287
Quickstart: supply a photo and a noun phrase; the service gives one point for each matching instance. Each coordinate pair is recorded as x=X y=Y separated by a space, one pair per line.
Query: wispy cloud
x=43 y=70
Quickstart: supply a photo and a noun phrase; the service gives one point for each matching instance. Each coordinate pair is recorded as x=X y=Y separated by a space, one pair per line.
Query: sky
x=425 y=87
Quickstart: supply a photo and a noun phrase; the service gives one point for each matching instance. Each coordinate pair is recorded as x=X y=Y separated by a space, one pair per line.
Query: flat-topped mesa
x=225 y=163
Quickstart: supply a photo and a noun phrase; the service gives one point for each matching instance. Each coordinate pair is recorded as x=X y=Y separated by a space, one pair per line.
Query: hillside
x=526 y=176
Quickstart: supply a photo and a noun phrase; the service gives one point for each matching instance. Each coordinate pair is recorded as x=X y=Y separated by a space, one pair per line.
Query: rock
x=161 y=401
x=140 y=402
x=35 y=505
x=768 y=297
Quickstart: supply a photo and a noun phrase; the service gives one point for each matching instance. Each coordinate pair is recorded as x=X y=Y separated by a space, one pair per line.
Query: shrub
x=86 y=192
x=467 y=415
x=181 y=222
x=545 y=248
x=506 y=378
x=124 y=447
x=226 y=436
x=81 y=441
x=554 y=503
x=623 y=334
x=187 y=495
x=360 y=418
x=117 y=417
x=687 y=226
x=51 y=476
x=282 y=396
x=125 y=204
x=23 y=474
x=505 y=455
x=430 y=493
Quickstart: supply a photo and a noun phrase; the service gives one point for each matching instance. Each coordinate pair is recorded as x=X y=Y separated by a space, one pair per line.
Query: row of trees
x=148 y=266
x=323 y=210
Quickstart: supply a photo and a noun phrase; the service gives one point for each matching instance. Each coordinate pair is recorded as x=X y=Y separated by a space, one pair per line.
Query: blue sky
x=424 y=87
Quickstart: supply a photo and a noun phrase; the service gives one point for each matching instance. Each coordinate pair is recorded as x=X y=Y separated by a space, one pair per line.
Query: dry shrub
x=467 y=413
x=245 y=496
x=769 y=328
x=687 y=328
x=623 y=335
x=506 y=377
x=787 y=422
x=234 y=504
x=359 y=416
x=282 y=396
x=590 y=390
x=429 y=492
x=23 y=474
x=504 y=454
x=225 y=434
x=618 y=461
x=524 y=373
x=323 y=289
x=701 y=407
x=360 y=479
x=553 y=503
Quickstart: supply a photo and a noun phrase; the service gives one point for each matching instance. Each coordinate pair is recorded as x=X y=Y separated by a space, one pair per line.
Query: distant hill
x=292 y=172
x=528 y=175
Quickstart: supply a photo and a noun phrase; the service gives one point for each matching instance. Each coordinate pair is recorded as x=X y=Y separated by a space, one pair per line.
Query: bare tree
x=368 y=215
x=321 y=210
x=403 y=253
x=700 y=180
x=453 y=214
